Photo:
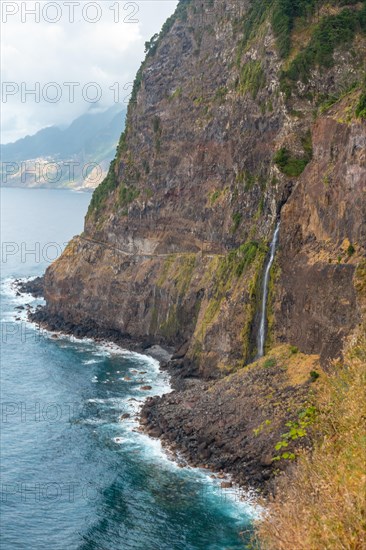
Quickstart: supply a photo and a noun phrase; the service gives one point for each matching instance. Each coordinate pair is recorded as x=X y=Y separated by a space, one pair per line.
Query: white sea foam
x=9 y=289
x=119 y=440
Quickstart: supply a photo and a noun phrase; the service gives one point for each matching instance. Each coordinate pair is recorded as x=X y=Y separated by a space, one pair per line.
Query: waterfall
x=262 y=326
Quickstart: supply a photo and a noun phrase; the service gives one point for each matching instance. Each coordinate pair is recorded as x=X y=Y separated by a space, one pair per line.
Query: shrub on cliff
x=333 y=31
x=361 y=106
x=102 y=191
x=288 y=164
x=284 y=14
x=293 y=165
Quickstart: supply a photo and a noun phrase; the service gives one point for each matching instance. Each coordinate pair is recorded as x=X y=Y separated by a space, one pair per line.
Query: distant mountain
x=61 y=158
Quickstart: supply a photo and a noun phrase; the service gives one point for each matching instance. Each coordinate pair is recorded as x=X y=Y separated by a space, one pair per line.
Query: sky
x=68 y=57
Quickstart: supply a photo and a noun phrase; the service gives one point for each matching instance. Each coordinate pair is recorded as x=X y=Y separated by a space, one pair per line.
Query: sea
x=76 y=471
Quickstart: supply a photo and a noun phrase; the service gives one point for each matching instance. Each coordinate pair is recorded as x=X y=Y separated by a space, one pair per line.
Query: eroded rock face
x=174 y=249
x=323 y=237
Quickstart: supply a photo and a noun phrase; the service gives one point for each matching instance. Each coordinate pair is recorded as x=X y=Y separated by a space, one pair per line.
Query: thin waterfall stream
x=262 y=326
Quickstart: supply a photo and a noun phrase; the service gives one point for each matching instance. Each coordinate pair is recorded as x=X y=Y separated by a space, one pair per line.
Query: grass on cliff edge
x=320 y=503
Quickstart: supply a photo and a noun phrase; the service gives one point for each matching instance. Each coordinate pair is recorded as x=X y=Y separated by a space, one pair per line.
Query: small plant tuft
x=314 y=375
x=351 y=250
x=237 y=218
x=361 y=106
x=291 y=165
x=270 y=362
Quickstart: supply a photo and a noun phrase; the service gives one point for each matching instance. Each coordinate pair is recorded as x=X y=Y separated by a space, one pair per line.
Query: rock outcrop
x=323 y=238
x=234 y=424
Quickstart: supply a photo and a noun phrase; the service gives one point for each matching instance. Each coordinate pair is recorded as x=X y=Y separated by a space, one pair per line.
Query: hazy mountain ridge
x=91 y=138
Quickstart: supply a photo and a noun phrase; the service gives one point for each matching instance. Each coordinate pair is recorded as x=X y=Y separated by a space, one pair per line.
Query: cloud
x=34 y=54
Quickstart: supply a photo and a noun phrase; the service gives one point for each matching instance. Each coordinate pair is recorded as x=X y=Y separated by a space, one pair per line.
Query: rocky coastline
x=228 y=426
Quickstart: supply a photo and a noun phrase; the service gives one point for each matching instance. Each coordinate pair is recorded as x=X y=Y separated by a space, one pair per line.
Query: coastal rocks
x=235 y=423
x=35 y=287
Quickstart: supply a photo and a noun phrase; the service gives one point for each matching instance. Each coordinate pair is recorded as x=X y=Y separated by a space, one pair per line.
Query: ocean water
x=75 y=474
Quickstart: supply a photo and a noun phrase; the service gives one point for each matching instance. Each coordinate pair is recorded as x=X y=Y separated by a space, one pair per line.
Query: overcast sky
x=44 y=55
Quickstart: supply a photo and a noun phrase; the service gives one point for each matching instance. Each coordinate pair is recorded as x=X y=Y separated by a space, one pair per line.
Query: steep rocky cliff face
x=227 y=110
x=323 y=239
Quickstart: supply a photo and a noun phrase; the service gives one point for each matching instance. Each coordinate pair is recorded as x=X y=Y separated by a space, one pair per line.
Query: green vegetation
x=252 y=78
x=231 y=267
x=156 y=124
x=244 y=256
x=122 y=145
x=286 y=12
x=150 y=45
x=185 y=273
x=351 y=250
x=248 y=179
x=292 y=165
x=127 y=194
x=137 y=83
x=176 y=94
x=272 y=288
x=314 y=375
x=238 y=260
x=146 y=166
x=168 y=263
x=327 y=101
x=101 y=193
x=263 y=427
x=214 y=197
x=251 y=21
x=331 y=32
x=170 y=326
x=237 y=218
x=361 y=106
x=180 y=13
x=307 y=144
x=289 y=164
x=270 y=362
x=297 y=430
x=221 y=93
x=325 y=490
x=180 y=269
x=157 y=132
x=283 y=19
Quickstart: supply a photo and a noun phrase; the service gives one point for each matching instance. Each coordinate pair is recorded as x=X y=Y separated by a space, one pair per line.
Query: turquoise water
x=75 y=475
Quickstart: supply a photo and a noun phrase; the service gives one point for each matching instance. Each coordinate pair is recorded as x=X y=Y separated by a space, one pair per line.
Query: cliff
x=241 y=114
